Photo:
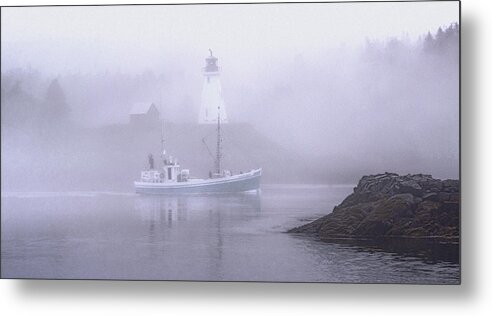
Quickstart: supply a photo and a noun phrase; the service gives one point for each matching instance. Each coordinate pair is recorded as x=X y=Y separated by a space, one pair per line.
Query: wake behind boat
x=171 y=179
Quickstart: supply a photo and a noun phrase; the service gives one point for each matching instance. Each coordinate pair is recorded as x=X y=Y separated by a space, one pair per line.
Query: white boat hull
x=237 y=183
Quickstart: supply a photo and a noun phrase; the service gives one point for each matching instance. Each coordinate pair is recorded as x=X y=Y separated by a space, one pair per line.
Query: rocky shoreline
x=390 y=205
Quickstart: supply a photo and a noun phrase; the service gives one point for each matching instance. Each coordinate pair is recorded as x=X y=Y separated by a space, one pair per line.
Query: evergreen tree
x=440 y=40
x=439 y=34
x=428 y=43
x=55 y=105
x=17 y=105
x=444 y=43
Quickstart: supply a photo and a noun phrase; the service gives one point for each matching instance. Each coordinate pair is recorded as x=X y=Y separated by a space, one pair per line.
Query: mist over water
x=329 y=92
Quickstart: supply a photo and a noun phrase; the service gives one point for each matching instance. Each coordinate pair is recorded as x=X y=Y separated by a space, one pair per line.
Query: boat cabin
x=170 y=172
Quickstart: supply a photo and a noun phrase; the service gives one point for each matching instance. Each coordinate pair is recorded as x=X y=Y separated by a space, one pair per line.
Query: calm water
x=107 y=235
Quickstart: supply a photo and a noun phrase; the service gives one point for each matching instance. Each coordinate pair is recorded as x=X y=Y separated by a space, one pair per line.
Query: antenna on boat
x=219 y=145
x=163 y=151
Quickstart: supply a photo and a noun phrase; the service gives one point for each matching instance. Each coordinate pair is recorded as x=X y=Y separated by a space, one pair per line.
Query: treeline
x=32 y=99
x=394 y=100
x=21 y=108
x=29 y=97
x=443 y=43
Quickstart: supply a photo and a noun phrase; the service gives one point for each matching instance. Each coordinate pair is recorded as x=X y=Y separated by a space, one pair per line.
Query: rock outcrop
x=390 y=205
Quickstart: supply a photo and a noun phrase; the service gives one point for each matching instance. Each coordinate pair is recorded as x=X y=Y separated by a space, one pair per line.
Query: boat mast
x=219 y=145
x=163 y=151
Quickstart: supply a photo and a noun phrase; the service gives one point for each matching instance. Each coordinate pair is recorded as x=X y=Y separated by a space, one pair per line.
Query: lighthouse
x=212 y=103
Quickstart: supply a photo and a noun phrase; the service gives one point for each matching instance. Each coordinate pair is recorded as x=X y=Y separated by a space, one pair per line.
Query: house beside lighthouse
x=144 y=114
x=212 y=101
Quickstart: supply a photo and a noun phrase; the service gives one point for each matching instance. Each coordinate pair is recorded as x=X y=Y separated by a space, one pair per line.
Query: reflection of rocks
x=430 y=250
x=392 y=205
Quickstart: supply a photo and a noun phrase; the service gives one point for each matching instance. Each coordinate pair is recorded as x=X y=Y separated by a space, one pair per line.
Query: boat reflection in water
x=171 y=210
x=176 y=208
x=192 y=229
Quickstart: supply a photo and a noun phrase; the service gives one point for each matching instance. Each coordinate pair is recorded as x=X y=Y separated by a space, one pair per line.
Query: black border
x=262 y=3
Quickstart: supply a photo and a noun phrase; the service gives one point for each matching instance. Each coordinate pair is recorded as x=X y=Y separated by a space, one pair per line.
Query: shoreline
x=392 y=206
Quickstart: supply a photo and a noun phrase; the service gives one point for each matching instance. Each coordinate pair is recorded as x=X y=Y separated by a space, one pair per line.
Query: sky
x=131 y=38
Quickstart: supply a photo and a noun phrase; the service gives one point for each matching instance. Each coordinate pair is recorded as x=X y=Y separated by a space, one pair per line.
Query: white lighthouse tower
x=212 y=100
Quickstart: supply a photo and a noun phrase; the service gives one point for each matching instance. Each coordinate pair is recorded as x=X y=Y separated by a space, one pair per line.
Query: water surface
x=111 y=235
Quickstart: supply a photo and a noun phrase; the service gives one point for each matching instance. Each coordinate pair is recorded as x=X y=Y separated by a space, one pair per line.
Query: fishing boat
x=171 y=179
x=152 y=183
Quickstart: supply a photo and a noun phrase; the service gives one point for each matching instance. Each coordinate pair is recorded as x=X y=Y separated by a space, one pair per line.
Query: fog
x=329 y=91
